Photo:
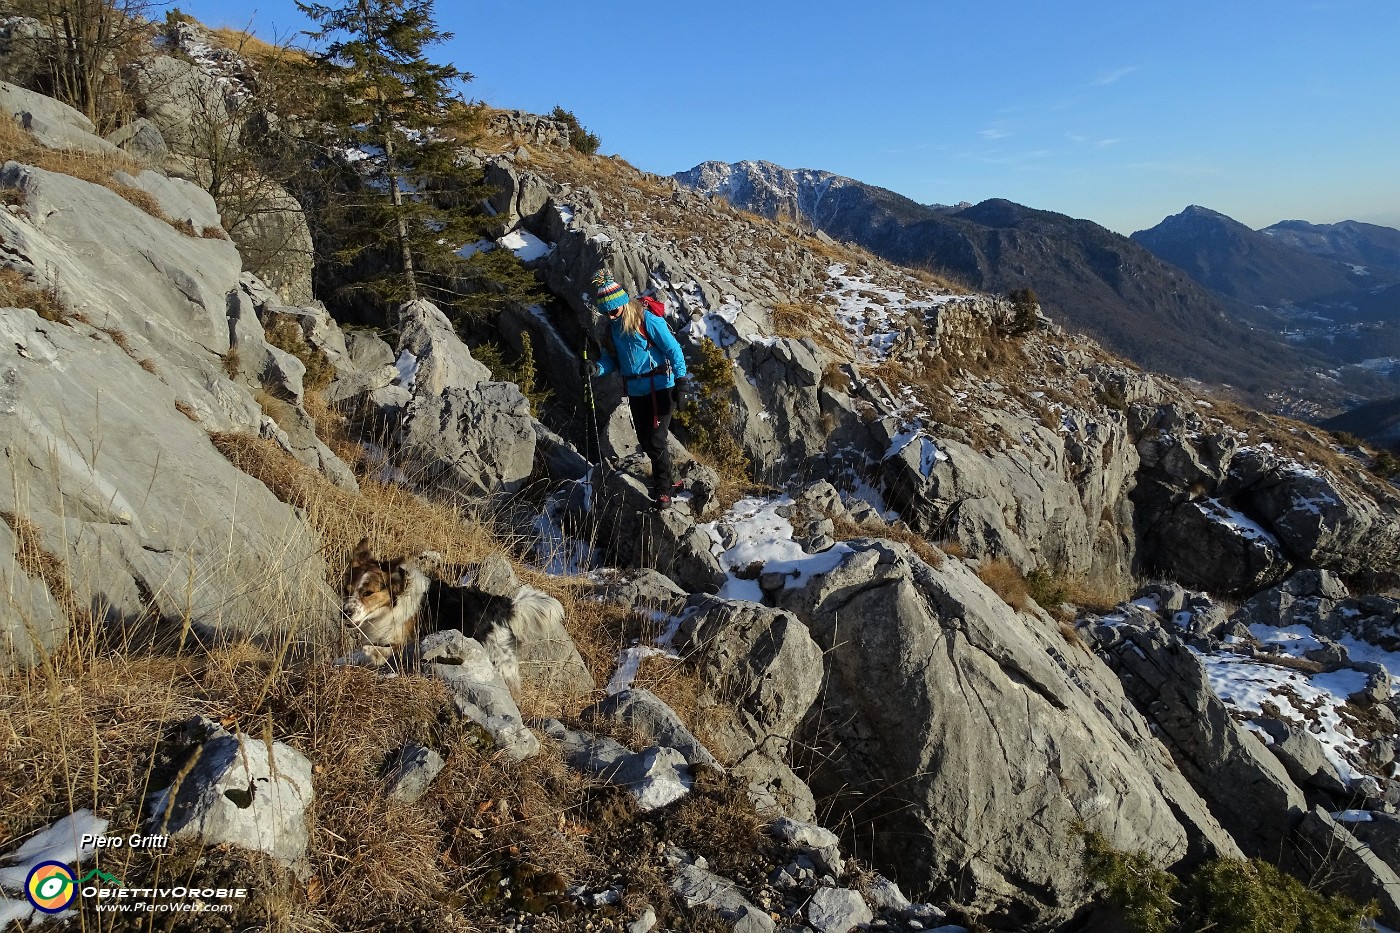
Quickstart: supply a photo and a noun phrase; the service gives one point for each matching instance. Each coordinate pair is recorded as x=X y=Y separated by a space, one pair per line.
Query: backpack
x=654 y=306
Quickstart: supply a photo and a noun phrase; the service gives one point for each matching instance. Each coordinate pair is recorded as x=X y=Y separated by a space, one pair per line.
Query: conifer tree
x=388 y=101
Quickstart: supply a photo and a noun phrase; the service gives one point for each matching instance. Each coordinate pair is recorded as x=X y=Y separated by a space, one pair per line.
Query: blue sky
x=1119 y=112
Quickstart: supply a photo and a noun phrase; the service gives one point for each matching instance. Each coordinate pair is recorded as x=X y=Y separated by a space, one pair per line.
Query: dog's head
x=370 y=586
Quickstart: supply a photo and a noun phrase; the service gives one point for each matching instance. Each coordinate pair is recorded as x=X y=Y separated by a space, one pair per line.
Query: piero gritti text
x=134 y=841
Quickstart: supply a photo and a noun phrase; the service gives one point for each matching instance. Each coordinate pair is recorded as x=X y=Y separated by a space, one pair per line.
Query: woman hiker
x=651 y=362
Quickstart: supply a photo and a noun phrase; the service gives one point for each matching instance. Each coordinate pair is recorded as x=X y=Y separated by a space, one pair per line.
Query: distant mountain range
x=1087 y=277
x=1365 y=245
x=1274 y=312
x=1231 y=259
x=1333 y=289
x=1347 y=271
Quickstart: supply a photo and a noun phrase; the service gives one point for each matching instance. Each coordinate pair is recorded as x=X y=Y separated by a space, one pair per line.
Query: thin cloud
x=995 y=131
x=1102 y=142
x=1113 y=77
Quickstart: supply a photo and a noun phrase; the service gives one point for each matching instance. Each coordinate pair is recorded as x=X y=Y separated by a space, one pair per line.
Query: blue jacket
x=635 y=357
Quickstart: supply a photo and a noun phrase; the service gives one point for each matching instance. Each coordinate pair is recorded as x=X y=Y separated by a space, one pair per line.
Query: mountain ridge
x=1086 y=277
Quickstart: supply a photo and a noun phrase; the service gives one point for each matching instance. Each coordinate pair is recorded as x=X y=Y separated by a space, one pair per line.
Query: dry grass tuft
x=717 y=820
x=1002 y=577
x=1308 y=443
x=17 y=292
x=396 y=521
x=149 y=365
x=81 y=736
x=900 y=532
x=98 y=169
x=186 y=409
x=256 y=50
x=90 y=167
x=286 y=335
x=42 y=564
x=796 y=321
x=232 y=363
x=1072 y=637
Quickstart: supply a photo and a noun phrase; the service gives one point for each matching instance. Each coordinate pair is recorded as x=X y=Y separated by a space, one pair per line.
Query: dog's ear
x=398 y=579
x=362 y=554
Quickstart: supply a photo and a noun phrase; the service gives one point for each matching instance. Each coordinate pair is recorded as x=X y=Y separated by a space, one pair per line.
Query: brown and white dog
x=391 y=603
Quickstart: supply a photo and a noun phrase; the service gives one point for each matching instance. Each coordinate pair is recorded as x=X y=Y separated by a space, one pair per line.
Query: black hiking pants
x=651 y=416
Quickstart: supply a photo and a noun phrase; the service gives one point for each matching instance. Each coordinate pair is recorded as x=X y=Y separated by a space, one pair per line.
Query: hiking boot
x=661 y=502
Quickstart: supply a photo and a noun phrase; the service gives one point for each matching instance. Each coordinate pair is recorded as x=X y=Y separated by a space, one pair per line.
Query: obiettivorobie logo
x=51 y=888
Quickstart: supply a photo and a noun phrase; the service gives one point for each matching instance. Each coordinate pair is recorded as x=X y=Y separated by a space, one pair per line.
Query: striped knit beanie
x=609 y=296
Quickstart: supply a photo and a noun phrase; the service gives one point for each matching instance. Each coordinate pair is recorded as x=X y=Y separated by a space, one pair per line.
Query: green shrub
x=520 y=370
x=285 y=334
x=1024 y=304
x=1223 y=895
x=486 y=284
x=1133 y=884
x=1385 y=464
x=579 y=137
x=1047 y=589
x=709 y=421
x=1347 y=439
x=1231 y=896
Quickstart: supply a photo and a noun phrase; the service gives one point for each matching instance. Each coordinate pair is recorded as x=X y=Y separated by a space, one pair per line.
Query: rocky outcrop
x=191 y=108
x=478 y=692
x=1248 y=789
x=763 y=664
x=458 y=430
x=272 y=234
x=639 y=535
x=1231 y=518
x=117 y=400
x=922 y=666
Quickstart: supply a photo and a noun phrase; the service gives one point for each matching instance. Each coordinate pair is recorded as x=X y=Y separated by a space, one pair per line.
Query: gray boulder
x=1319 y=520
x=1302 y=755
x=24 y=49
x=141 y=140
x=478 y=691
x=639 y=535
x=180 y=201
x=837 y=910
x=1059 y=486
x=412 y=771
x=1212 y=547
x=271 y=231
x=53 y=124
x=1326 y=849
x=758 y=659
x=644 y=711
x=190 y=107
x=240 y=791
x=656 y=776
x=700 y=888
x=1381 y=832
x=127 y=554
x=33 y=620
x=437 y=358
x=821 y=845
x=477 y=441
x=922 y=666
x=644 y=590
x=1193 y=478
